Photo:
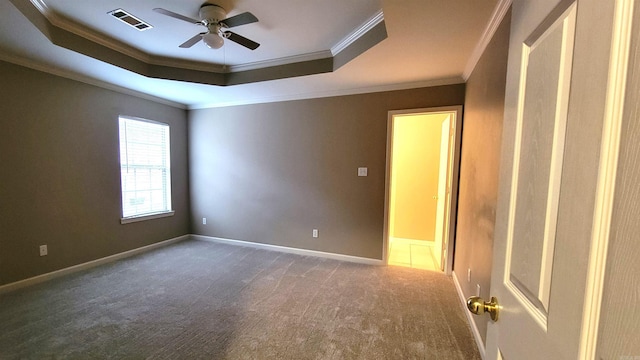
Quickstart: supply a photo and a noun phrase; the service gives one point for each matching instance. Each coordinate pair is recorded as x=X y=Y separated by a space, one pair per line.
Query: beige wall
x=270 y=173
x=60 y=175
x=479 y=169
x=416 y=161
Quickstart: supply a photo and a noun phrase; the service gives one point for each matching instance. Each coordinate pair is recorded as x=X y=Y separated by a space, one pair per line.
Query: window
x=145 y=169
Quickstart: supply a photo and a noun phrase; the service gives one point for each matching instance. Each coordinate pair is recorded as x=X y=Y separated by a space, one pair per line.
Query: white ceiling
x=429 y=42
x=284 y=29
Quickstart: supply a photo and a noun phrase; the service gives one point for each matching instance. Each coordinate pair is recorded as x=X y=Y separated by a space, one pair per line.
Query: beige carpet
x=202 y=300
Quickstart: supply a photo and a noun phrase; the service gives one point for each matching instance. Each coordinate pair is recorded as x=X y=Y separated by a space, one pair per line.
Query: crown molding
x=89 y=34
x=281 y=61
x=42 y=7
x=498 y=15
x=186 y=64
x=68 y=74
x=82 y=31
x=332 y=93
x=72 y=75
x=113 y=44
x=358 y=33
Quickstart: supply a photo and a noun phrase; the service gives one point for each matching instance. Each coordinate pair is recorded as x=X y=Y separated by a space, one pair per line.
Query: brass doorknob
x=478 y=306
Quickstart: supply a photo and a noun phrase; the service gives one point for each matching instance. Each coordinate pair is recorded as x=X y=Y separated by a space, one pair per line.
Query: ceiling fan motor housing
x=212 y=14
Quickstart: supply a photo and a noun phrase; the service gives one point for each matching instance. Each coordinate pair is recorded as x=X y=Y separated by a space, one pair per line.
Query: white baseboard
x=290 y=250
x=90 y=264
x=472 y=324
x=54 y=274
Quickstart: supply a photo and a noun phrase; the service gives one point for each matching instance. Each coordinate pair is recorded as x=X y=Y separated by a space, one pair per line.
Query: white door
x=556 y=96
x=442 y=198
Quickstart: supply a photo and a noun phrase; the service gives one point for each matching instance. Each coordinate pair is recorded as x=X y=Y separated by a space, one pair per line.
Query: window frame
x=167 y=168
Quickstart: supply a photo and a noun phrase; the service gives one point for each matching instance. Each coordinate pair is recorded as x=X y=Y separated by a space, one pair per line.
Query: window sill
x=133 y=219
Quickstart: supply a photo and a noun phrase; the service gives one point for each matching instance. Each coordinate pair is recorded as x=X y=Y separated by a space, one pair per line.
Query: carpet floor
x=203 y=300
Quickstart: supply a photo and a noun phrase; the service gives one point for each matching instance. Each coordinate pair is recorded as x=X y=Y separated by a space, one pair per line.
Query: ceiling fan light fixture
x=213 y=40
x=213 y=17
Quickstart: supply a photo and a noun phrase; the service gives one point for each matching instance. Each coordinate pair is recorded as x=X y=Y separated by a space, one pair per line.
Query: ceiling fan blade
x=240 y=19
x=176 y=16
x=194 y=40
x=241 y=40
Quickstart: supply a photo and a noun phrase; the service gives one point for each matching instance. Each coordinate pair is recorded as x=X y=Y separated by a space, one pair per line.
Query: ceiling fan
x=214 y=18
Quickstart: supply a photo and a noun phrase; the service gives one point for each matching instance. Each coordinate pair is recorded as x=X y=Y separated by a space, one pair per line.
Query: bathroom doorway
x=422 y=148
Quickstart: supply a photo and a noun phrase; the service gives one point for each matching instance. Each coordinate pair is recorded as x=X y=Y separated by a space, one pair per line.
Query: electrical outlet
x=469 y=275
x=204 y=221
x=43 y=250
x=362 y=171
x=315 y=233
x=477 y=289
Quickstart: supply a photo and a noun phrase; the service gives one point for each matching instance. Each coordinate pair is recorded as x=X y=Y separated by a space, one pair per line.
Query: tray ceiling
x=351 y=47
x=89 y=28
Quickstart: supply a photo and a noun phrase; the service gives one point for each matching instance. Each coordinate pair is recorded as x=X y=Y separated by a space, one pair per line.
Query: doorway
x=422 y=148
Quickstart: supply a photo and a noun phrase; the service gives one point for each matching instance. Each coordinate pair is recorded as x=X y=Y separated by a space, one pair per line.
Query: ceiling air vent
x=130 y=20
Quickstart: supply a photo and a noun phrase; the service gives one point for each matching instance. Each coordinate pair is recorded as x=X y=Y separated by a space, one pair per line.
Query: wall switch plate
x=43 y=250
x=315 y=233
x=362 y=171
x=477 y=289
x=204 y=221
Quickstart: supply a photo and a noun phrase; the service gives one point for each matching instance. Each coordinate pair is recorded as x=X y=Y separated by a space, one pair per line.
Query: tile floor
x=417 y=254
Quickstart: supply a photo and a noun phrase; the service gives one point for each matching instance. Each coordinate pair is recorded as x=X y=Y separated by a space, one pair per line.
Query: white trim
x=230 y=69
x=536 y=314
x=472 y=324
x=358 y=33
x=567 y=24
x=42 y=7
x=132 y=219
x=184 y=64
x=610 y=148
x=60 y=22
x=386 y=227
x=135 y=118
x=67 y=74
x=331 y=93
x=499 y=12
x=87 y=265
x=290 y=250
x=72 y=75
x=324 y=54
x=88 y=33
x=141 y=55
x=118 y=46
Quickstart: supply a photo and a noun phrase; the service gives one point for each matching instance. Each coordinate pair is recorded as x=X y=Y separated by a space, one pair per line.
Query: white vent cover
x=130 y=20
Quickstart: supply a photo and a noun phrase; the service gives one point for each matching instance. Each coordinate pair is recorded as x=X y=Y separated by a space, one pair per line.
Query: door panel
x=539 y=152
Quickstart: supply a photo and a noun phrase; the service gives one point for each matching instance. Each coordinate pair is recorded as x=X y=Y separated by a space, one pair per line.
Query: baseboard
x=84 y=266
x=290 y=250
x=472 y=324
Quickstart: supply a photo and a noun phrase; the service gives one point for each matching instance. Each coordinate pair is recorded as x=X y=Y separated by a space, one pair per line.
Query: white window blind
x=144 y=167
